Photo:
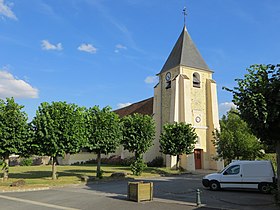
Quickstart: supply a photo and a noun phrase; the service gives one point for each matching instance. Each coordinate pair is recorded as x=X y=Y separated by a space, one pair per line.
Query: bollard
x=198 y=201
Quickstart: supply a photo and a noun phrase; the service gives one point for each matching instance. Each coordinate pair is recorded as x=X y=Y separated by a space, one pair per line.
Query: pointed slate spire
x=184 y=53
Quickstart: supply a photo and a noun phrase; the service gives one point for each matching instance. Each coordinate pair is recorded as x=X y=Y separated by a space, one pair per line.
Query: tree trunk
x=54 y=177
x=278 y=171
x=98 y=169
x=6 y=168
x=177 y=162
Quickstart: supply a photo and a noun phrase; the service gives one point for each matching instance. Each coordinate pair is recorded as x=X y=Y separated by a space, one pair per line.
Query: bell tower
x=187 y=93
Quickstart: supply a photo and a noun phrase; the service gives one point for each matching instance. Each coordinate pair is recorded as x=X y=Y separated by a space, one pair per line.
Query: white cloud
x=5 y=10
x=122 y=105
x=225 y=107
x=151 y=79
x=119 y=47
x=46 y=45
x=87 y=48
x=13 y=87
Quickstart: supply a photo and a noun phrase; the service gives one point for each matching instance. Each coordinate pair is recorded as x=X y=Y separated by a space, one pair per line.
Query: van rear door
x=232 y=177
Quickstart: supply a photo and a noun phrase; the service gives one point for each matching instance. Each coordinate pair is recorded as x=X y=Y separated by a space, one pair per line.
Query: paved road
x=170 y=193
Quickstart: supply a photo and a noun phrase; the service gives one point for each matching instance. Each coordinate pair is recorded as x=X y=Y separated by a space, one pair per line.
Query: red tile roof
x=141 y=107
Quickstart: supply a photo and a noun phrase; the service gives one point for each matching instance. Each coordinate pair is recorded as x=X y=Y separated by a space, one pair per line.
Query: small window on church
x=168 y=85
x=196 y=80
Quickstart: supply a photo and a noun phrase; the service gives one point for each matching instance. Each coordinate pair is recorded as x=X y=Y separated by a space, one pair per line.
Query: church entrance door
x=197 y=158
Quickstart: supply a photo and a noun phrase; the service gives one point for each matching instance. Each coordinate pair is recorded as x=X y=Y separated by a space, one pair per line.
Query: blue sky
x=105 y=52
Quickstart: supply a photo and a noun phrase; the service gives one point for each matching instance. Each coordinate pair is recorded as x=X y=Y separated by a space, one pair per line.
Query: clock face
x=197 y=119
x=168 y=76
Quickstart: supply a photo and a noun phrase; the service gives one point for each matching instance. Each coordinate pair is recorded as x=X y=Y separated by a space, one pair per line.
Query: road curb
x=25 y=190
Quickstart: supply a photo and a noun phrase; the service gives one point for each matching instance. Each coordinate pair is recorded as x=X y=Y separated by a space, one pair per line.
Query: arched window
x=196 y=80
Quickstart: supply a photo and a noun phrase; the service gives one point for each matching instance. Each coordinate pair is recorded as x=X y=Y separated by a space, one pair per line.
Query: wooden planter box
x=140 y=191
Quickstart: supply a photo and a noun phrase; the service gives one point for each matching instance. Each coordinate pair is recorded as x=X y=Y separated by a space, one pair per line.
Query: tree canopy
x=14 y=132
x=257 y=97
x=103 y=131
x=177 y=139
x=235 y=140
x=58 y=130
x=138 y=135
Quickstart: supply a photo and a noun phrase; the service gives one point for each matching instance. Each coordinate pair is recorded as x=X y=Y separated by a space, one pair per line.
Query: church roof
x=141 y=107
x=184 y=53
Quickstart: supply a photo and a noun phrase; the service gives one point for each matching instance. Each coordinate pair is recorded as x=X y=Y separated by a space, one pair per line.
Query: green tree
x=177 y=139
x=138 y=135
x=257 y=97
x=235 y=140
x=14 y=132
x=58 y=130
x=103 y=130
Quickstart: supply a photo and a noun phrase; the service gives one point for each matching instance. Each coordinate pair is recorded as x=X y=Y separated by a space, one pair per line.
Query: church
x=185 y=93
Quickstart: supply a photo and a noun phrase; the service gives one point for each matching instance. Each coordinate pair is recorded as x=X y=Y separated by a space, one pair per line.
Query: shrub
x=92 y=161
x=157 y=162
x=127 y=161
x=77 y=163
x=14 y=161
x=26 y=162
x=113 y=160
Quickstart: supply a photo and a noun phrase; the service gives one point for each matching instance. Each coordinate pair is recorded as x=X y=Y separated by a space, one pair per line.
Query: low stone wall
x=15 y=160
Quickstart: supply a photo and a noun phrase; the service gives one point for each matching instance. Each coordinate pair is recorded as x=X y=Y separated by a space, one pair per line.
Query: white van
x=243 y=174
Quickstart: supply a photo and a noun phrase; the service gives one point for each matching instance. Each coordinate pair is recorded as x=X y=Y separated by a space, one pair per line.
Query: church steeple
x=184 y=53
x=186 y=93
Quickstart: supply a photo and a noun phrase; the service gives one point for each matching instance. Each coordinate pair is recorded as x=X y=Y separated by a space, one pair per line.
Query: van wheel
x=264 y=187
x=214 y=185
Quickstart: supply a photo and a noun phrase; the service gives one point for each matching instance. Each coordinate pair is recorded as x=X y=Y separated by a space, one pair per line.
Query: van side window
x=232 y=170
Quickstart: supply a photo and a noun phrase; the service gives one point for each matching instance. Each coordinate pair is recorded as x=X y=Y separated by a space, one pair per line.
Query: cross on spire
x=185 y=14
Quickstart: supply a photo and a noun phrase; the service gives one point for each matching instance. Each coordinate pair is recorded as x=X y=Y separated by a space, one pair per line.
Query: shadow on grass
x=157 y=171
x=31 y=175
x=79 y=171
x=46 y=174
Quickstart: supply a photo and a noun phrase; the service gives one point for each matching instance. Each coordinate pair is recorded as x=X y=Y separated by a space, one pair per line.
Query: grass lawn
x=40 y=176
